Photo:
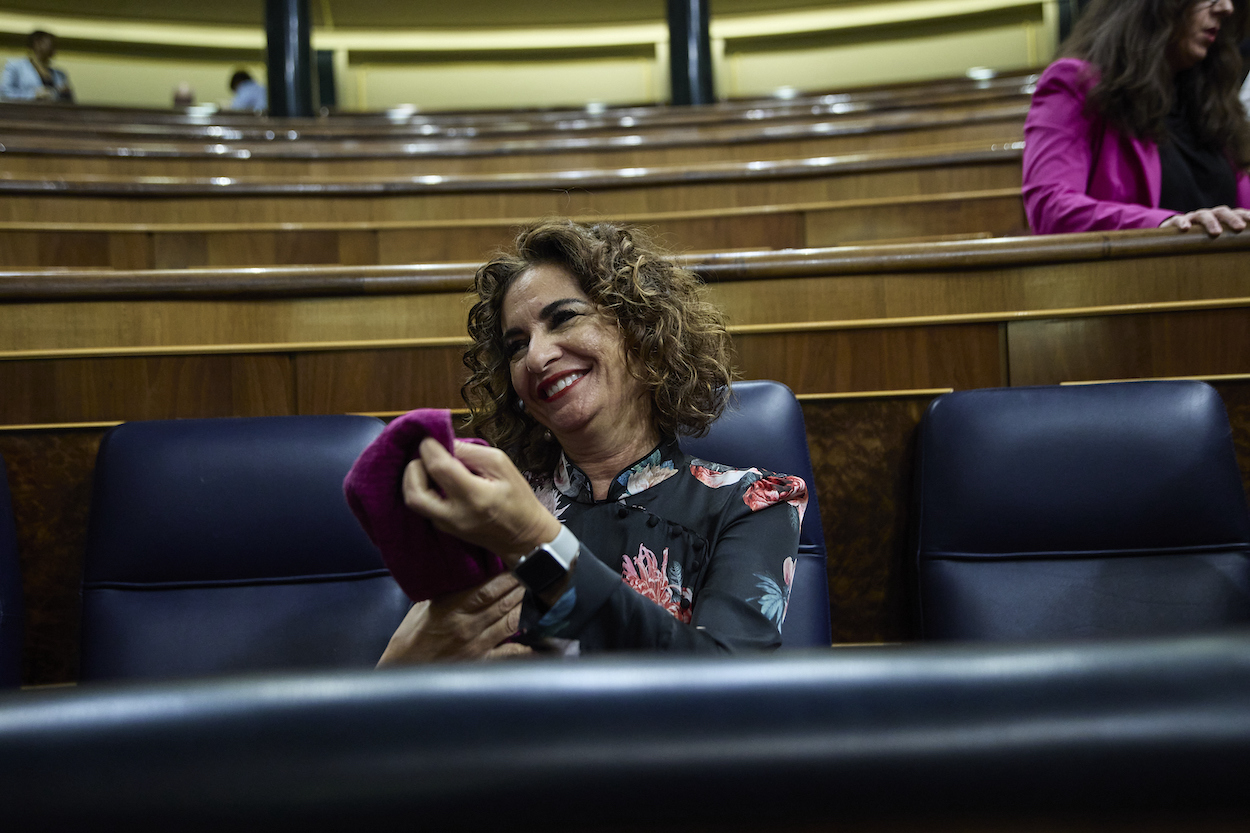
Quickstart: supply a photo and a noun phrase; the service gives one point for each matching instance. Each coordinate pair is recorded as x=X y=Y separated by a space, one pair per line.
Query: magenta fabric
x=1082 y=175
x=425 y=561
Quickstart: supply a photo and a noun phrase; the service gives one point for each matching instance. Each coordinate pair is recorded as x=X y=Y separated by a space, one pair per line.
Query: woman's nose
x=542 y=350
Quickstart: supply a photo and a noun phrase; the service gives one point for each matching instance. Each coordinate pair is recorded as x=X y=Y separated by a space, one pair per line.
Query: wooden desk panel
x=894 y=358
x=165 y=246
x=608 y=193
x=27 y=156
x=763 y=229
x=991 y=214
x=370 y=381
x=1149 y=345
x=145 y=387
x=207 y=325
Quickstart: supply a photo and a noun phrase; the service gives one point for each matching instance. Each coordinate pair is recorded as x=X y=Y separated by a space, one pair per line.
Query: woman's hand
x=1213 y=220
x=484 y=499
x=470 y=624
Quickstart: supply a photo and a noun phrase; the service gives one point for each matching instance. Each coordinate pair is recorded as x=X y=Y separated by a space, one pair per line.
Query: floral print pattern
x=657 y=582
x=682 y=533
x=646 y=477
x=644 y=474
x=774 y=488
x=569 y=480
x=549 y=496
x=775 y=600
x=764 y=489
x=716 y=476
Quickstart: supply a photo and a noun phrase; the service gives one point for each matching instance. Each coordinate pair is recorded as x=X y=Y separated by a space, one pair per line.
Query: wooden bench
x=942 y=169
x=865 y=335
x=988 y=213
x=198 y=125
x=58 y=153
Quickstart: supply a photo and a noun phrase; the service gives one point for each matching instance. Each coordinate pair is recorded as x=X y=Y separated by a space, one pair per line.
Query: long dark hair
x=1127 y=40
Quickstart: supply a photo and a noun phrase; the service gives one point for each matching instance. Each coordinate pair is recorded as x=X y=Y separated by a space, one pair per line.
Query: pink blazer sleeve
x=1058 y=159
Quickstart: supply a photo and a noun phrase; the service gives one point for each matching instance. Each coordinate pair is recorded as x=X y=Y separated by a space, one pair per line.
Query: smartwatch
x=548 y=564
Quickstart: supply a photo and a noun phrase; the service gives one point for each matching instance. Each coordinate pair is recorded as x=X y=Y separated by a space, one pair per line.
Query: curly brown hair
x=1127 y=40
x=676 y=343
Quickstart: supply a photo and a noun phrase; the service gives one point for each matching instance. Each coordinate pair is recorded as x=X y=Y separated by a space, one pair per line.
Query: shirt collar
x=650 y=470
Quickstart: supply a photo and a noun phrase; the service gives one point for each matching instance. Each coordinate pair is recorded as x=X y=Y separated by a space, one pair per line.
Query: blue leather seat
x=1064 y=512
x=11 y=608
x=226 y=545
x=763 y=427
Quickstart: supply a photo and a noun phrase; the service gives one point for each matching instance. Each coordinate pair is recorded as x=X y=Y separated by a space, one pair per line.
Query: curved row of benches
x=195 y=125
x=731 y=141
x=990 y=212
x=957 y=143
x=964 y=168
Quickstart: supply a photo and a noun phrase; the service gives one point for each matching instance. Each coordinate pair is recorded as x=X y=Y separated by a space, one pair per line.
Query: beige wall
x=497 y=84
x=1001 y=47
x=115 y=80
x=841 y=45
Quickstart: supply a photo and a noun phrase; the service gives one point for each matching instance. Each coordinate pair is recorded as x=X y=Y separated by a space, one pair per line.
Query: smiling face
x=568 y=365
x=1196 y=32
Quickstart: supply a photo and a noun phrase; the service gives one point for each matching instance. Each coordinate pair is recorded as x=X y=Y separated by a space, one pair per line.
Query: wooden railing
x=987 y=213
x=212 y=126
x=738 y=140
x=974 y=167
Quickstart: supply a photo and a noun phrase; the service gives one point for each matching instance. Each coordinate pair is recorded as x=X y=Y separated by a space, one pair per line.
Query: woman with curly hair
x=1138 y=125
x=591 y=353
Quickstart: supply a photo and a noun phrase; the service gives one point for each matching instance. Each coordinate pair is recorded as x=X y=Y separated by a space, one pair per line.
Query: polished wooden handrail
x=960 y=254
x=219 y=124
x=24 y=138
x=63 y=285
x=968 y=153
x=635 y=218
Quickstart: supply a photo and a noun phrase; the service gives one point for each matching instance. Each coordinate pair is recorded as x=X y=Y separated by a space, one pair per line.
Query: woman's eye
x=563 y=316
x=512 y=348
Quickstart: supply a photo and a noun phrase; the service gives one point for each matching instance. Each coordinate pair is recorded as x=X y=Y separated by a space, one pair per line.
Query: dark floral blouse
x=683 y=555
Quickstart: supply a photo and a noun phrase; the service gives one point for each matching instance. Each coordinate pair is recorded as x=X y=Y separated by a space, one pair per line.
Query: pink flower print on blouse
x=717 y=477
x=648 y=577
x=775 y=488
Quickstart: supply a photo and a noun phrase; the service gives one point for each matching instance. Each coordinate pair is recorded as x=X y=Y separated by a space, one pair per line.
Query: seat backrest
x=1096 y=510
x=11 y=608
x=225 y=545
x=763 y=427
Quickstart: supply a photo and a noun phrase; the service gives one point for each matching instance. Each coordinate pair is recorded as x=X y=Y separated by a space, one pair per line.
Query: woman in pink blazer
x=1138 y=125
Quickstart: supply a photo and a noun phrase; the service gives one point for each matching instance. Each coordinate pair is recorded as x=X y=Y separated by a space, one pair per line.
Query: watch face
x=539 y=570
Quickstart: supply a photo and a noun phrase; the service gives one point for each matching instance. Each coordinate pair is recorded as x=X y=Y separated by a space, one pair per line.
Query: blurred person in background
x=248 y=95
x=33 y=78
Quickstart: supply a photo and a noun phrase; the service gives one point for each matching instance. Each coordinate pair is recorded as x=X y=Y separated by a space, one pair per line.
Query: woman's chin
x=565 y=426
